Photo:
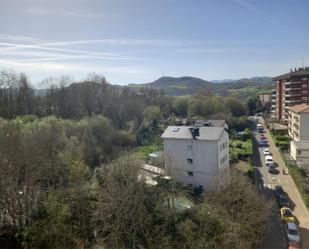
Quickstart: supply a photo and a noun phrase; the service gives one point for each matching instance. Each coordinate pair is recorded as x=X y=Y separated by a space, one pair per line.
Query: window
x=190 y=160
x=190 y=173
x=189 y=147
x=298 y=152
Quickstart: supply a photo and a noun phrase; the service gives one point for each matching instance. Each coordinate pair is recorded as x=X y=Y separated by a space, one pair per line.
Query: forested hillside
x=242 y=88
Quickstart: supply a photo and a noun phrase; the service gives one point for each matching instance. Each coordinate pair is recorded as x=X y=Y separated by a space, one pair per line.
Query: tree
x=181 y=106
x=234 y=106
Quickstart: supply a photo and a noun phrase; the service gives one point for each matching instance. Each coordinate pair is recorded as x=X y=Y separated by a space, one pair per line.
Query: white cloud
x=120 y=42
x=245 y=4
x=14 y=46
x=66 y=67
x=62 y=12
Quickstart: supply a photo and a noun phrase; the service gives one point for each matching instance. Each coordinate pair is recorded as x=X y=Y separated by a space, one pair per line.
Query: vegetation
x=241 y=89
x=67 y=179
x=300 y=178
x=281 y=139
x=147 y=217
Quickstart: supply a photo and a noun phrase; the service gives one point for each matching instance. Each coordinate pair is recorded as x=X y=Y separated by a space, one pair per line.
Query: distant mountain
x=222 y=81
x=254 y=80
x=177 y=86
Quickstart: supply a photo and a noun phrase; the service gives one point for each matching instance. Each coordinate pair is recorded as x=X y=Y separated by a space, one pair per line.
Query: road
x=275 y=237
x=266 y=183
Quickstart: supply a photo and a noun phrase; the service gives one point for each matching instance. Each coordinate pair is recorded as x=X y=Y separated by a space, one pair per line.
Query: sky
x=138 y=41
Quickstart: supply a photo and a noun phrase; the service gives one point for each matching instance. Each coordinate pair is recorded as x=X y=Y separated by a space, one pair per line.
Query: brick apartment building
x=291 y=89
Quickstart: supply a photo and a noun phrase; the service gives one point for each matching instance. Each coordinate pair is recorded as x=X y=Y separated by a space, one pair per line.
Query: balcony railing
x=293 y=101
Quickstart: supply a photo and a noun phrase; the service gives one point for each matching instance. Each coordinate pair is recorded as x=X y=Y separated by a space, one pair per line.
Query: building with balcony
x=197 y=155
x=300 y=151
x=298 y=122
x=291 y=89
x=265 y=99
x=298 y=127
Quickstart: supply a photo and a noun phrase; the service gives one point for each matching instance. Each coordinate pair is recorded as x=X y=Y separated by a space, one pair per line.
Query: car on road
x=263 y=142
x=283 y=201
x=259 y=128
x=272 y=169
x=266 y=152
x=269 y=160
x=293 y=245
x=262 y=136
x=292 y=232
x=287 y=215
x=279 y=191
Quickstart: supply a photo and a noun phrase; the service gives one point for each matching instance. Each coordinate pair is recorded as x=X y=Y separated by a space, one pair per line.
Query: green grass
x=301 y=183
x=241 y=149
x=298 y=176
x=143 y=151
x=245 y=92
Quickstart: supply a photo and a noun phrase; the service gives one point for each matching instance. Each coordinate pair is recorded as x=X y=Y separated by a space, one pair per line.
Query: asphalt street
x=274 y=237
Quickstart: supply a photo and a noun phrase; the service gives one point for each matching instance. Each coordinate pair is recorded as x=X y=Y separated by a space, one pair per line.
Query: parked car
x=272 y=169
x=283 y=201
x=287 y=215
x=269 y=160
x=263 y=142
x=259 y=128
x=285 y=171
x=293 y=245
x=266 y=152
x=262 y=136
x=292 y=232
x=279 y=191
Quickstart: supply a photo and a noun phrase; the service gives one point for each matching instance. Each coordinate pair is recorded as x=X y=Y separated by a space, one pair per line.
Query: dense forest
x=68 y=174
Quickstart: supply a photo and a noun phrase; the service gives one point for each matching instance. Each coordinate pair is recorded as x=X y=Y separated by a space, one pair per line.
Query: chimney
x=195 y=132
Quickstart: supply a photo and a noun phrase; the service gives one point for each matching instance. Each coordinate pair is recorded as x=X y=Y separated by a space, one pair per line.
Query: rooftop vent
x=175 y=129
x=195 y=132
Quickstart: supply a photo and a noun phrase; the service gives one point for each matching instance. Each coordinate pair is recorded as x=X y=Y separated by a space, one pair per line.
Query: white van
x=269 y=160
x=259 y=128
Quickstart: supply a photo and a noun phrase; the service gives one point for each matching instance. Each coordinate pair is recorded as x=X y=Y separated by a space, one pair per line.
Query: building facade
x=300 y=151
x=197 y=155
x=298 y=122
x=290 y=89
x=265 y=99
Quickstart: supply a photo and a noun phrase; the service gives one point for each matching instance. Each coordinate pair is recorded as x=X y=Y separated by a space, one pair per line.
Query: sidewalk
x=297 y=205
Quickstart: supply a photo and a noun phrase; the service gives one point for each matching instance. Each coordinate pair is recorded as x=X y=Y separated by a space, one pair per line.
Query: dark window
x=298 y=152
x=190 y=160
x=190 y=173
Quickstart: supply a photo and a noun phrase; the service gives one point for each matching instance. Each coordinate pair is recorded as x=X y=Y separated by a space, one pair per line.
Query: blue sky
x=136 y=41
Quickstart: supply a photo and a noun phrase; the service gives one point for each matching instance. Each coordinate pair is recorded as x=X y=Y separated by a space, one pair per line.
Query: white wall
x=206 y=157
x=304 y=126
x=304 y=156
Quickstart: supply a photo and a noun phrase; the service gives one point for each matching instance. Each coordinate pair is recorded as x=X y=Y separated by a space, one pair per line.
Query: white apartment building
x=197 y=155
x=298 y=122
x=300 y=151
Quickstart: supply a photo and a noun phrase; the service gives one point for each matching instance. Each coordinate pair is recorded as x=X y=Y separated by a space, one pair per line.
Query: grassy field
x=245 y=92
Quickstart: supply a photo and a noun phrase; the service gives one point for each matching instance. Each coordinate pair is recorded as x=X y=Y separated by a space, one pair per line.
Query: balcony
x=294 y=89
x=293 y=82
x=293 y=101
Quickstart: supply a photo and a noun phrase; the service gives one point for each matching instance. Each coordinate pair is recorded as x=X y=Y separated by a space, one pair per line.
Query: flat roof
x=302 y=108
x=292 y=74
x=183 y=132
